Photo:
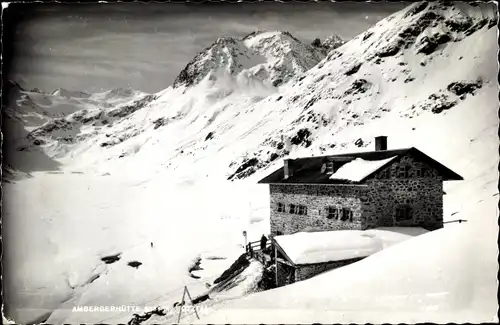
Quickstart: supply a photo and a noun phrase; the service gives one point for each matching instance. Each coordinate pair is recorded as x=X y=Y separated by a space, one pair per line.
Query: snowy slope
x=248 y=124
x=150 y=162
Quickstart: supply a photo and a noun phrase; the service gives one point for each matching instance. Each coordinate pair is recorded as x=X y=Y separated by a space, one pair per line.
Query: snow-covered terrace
x=328 y=246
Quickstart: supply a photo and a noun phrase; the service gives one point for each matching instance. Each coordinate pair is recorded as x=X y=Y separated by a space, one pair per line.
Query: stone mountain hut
x=361 y=190
x=315 y=198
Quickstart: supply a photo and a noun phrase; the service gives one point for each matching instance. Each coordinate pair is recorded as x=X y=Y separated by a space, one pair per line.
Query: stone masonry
x=317 y=198
x=405 y=183
x=423 y=193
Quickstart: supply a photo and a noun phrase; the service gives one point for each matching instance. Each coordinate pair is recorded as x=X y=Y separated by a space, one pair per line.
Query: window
x=404 y=212
x=404 y=171
x=329 y=167
x=298 y=209
x=346 y=214
x=333 y=212
x=281 y=207
x=384 y=174
x=422 y=172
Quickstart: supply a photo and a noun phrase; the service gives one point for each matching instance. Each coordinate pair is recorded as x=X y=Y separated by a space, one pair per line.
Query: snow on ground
x=448 y=275
x=326 y=246
x=73 y=220
x=359 y=168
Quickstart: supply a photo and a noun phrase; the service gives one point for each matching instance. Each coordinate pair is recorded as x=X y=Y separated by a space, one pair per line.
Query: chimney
x=380 y=143
x=288 y=168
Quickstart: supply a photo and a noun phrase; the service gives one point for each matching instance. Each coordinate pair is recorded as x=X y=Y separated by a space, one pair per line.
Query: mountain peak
x=333 y=41
x=271 y=56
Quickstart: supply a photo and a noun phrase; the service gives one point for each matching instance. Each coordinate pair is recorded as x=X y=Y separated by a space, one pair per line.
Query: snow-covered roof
x=351 y=167
x=338 y=245
x=359 y=168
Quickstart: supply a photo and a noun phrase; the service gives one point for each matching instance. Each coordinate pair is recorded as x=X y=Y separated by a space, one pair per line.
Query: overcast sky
x=95 y=47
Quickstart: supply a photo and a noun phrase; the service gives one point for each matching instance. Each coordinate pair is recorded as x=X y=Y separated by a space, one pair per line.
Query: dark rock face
x=359 y=142
x=409 y=79
x=191 y=74
x=359 y=86
x=92 y=118
x=184 y=78
x=209 y=136
x=367 y=35
x=129 y=109
x=477 y=26
x=439 y=103
x=49 y=127
x=111 y=258
x=159 y=122
x=493 y=23
x=274 y=156
x=430 y=44
x=408 y=36
x=442 y=107
x=464 y=88
x=459 y=25
x=311 y=102
x=134 y=264
x=355 y=68
x=417 y=9
x=302 y=137
x=278 y=82
x=316 y=42
x=392 y=49
x=247 y=168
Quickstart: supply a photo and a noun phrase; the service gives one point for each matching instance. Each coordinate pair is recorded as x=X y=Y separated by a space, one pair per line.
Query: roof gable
x=308 y=170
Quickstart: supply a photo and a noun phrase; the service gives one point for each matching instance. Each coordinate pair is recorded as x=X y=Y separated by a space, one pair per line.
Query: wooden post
x=194 y=307
x=182 y=303
x=276 y=263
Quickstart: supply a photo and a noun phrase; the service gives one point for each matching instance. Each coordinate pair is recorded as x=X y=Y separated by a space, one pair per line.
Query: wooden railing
x=253 y=250
x=255 y=246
